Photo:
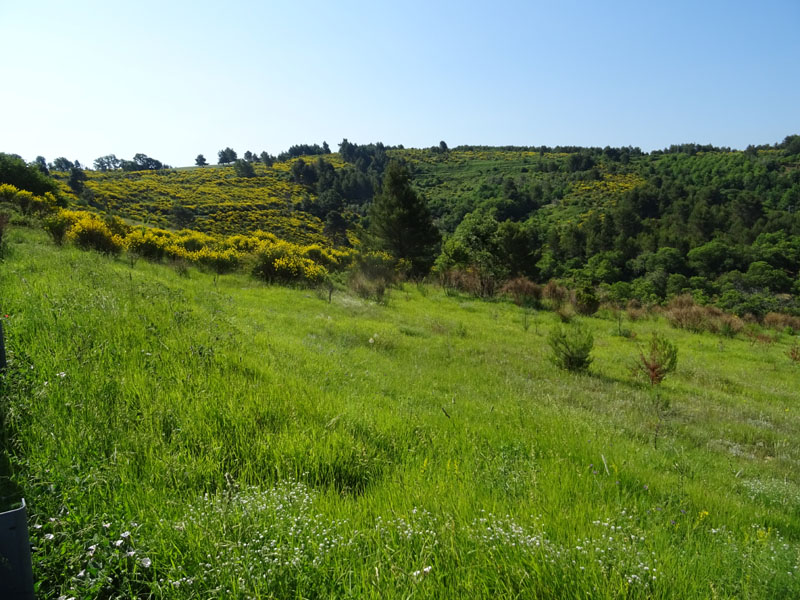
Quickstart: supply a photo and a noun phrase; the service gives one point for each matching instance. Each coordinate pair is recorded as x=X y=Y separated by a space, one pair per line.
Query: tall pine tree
x=401 y=223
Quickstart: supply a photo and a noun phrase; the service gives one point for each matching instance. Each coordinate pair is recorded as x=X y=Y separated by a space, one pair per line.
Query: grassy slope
x=252 y=439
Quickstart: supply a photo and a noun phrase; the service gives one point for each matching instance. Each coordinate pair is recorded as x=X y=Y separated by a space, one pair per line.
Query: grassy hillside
x=718 y=224
x=192 y=436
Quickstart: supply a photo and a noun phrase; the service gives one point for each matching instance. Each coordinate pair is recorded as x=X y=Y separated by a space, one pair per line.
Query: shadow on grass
x=629 y=383
x=10 y=492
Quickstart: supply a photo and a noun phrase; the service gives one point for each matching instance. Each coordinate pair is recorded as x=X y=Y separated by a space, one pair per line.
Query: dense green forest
x=620 y=224
x=719 y=224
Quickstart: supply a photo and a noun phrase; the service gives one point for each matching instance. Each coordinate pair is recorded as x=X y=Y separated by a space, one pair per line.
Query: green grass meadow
x=181 y=435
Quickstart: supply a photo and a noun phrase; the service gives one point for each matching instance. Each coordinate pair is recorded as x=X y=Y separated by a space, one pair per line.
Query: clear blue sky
x=174 y=79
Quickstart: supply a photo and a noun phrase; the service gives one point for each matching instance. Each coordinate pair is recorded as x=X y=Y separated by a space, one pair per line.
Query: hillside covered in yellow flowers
x=210 y=199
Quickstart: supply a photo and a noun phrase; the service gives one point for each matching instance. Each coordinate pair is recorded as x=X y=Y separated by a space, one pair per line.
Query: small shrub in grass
x=528 y=316
x=180 y=266
x=373 y=275
x=660 y=359
x=193 y=241
x=331 y=258
x=655 y=363
x=782 y=322
x=635 y=311
x=614 y=312
x=523 y=291
x=557 y=294
x=464 y=280
x=571 y=347
x=794 y=353
x=684 y=313
x=26 y=201
x=585 y=300
x=758 y=337
x=368 y=288
x=565 y=313
x=730 y=325
x=377 y=265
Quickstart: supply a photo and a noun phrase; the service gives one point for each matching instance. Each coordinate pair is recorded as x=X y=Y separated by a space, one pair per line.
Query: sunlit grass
x=209 y=436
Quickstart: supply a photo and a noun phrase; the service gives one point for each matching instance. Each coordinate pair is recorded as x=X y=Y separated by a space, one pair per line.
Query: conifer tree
x=401 y=223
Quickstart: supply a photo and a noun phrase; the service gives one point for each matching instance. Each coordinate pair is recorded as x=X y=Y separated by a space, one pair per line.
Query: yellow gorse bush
x=27 y=202
x=7 y=192
x=283 y=262
x=194 y=240
x=221 y=261
x=275 y=260
x=147 y=243
x=91 y=233
x=326 y=256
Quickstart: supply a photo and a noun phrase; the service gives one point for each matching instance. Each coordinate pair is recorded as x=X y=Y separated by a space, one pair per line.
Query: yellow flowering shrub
x=284 y=262
x=222 y=261
x=73 y=216
x=7 y=192
x=331 y=258
x=28 y=202
x=245 y=244
x=147 y=243
x=91 y=233
x=194 y=240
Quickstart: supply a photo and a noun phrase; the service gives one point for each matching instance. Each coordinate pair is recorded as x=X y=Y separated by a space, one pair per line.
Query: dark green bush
x=586 y=302
x=571 y=347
